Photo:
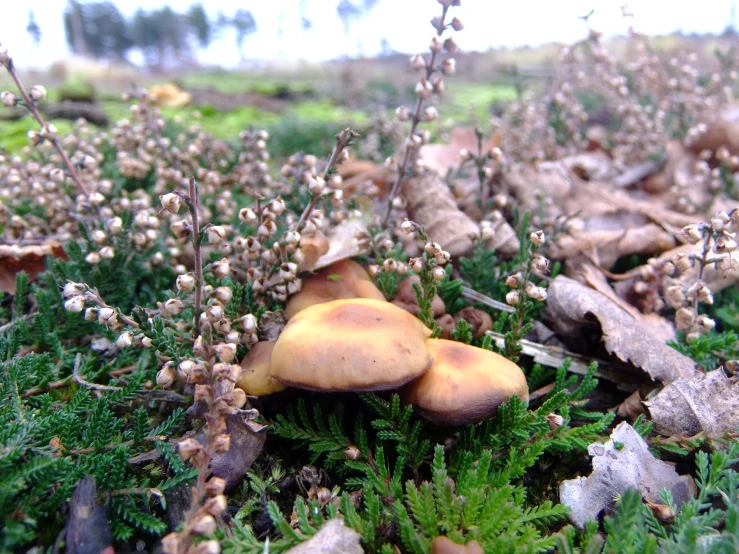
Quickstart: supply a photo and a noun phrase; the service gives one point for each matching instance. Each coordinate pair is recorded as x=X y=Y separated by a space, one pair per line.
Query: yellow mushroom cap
x=351 y=345
x=255 y=379
x=465 y=384
x=343 y=279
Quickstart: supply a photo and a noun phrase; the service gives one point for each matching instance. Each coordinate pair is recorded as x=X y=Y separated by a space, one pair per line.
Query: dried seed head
x=204 y=525
x=248 y=323
x=124 y=340
x=171 y=202
x=215 y=486
x=226 y=352
x=684 y=319
x=75 y=304
x=186 y=282
x=188 y=448
x=215 y=234
x=72 y=289
x=448 y=66
x=166 y=376
x=221 y=268
x=537 y=238
x=417 y=62
x=37 y=93
x=9 y=98
x=513 y=297
x=216 y=505
x=174 y=306
x=438 y=273
x=352 y=453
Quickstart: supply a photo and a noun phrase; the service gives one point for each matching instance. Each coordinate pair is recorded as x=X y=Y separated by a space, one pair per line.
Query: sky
x=404 y=23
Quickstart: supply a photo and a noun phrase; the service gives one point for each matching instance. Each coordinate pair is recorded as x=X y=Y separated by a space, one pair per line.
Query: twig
x=81 y=380
x=194 y=200
x=342 y=141
x=30 y=104
x=475 y=296
x=553 y=356
x=415 y=119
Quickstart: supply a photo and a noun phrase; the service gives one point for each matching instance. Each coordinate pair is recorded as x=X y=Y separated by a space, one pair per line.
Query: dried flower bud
x=226 y=352
x=171 y=542
x=107 y=252
x=389 y=265
x=416 y=265
x=93 y=258
x=684 y=319
x=438 y=273
x=555 y=421
x=537 y=238
x=352 y=453
x=204 y=525
x=430 y=114
x=174 y=306
x=215 y=486
x=216 y=505
x=215 y=234
x=221 y=268
x=675 y=296
x=72 y=289
x=448 y=66
x=423 y=88
x=432 y=248
x=540 y=263
x=75 y=304
x=166 y=376
x=693 y=233
x=124 y=340
x=188 y=448
x=513 y=297
x=171 y=202
x=417 y=62
x=704 y=323
x=442 y=258
x=186 y=282
x=222 y=443
x=248 y=216
x=37 y=93
x=316 y=185
x=248 y=323
x=9 y=98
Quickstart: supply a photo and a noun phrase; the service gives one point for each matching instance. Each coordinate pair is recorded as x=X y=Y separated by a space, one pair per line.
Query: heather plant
x=177 y=254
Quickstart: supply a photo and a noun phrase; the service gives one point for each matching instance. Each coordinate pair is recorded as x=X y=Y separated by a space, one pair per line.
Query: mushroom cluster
x=343 y=335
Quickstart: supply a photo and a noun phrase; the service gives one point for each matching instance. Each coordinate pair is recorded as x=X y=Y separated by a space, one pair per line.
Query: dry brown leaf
x=658 y=326
x=632 y=407
x=622 y=463
x=332 y=538
x=31 y=259
x=571 y=305
x=442 y=157
x=247 y=441
x=431 y=204
x=706 y=402
x=591 y=166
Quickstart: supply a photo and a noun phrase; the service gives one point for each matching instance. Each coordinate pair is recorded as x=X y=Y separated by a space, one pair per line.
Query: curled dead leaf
x=706 y=402
x=572 y=304
x=31 y=259
x=622 y=463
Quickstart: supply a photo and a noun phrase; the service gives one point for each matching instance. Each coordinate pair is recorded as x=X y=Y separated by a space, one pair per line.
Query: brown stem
x=194 y=200
x=32 y=108
x=414 y=124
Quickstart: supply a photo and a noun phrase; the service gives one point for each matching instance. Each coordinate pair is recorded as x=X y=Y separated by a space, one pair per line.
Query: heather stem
x=194 y=200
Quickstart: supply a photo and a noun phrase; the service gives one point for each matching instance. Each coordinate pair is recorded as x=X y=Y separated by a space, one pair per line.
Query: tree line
x=163 y=36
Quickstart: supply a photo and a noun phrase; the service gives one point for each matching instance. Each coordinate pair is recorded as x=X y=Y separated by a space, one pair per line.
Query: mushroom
x=343 y=279
x=447 y=324
x=444 y=545
x=479 y=321
x=406 y=297
x=255 y=379
x=465 y=384
x=354 y=344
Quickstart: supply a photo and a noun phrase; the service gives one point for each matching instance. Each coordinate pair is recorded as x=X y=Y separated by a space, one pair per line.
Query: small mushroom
x=479 y=320
x=351 y=345
x=447 y=324
x=406 y=297
x=255 y=379
x=465 y=384
x=343 y=279
x=444 y=545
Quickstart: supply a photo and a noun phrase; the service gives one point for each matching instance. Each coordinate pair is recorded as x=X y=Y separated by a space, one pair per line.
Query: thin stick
x=402 y=168
x=194 y=200
x=30 y=104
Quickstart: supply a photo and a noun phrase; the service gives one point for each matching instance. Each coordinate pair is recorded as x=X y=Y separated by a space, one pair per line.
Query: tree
x=98 y=29
x=244 y=24
x=32 y=28
x=200 y=25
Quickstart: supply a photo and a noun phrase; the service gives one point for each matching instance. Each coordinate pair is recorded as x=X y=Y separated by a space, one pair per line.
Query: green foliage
x=709 y=350
x=472 y=492
x=54 y=430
